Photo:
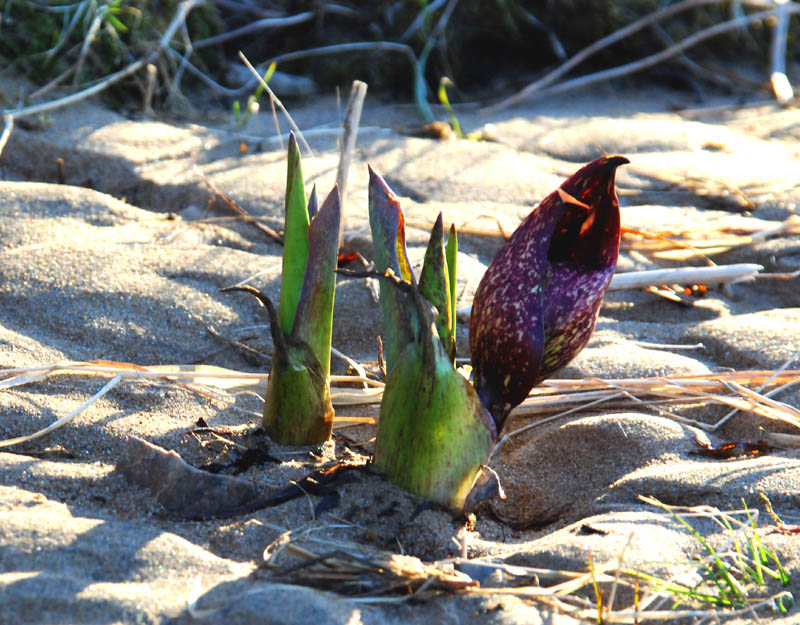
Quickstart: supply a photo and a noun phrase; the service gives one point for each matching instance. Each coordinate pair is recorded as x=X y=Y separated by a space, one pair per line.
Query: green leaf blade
x=295 y=246
x=434 y=284
x=314 y=320
x=451 y=254
x=388 y=238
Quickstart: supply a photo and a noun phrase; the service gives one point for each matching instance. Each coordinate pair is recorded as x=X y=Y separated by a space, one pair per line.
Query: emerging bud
x=433 y=435
x=537 y=304
x=297 y=408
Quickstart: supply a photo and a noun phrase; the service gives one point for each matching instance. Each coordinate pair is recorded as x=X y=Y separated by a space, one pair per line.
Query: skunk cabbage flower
x=297 y=408
x=434 y=434
x=537 y=304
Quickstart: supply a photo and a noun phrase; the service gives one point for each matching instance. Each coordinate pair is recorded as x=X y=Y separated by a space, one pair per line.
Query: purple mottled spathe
x=537 y=304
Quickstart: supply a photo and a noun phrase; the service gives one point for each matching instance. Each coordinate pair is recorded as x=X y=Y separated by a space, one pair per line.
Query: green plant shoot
x=451 y=254
x=434 y=434
x=297 y=407
x=252 y=100
x=445 y=102
x=295 y=238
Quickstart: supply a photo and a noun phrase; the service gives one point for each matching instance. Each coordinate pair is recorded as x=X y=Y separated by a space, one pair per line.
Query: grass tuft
x=733 y=576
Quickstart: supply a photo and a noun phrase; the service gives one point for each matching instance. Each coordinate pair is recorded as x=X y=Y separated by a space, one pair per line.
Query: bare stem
x=278 y=340
x=370 y=46
x=718 y=274
x=780 y=82
x=274 y=99
x=8 y=127
x=147 y=103
x=254 y=27
x=352 y=119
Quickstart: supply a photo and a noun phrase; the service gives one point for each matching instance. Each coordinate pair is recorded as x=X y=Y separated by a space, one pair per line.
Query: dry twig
x=242 y=213
x=539 y=87
x=274 y=99
x=718 y=274
x=254 y=27
x=352 y=118
x=780 y=82
x=8 y=128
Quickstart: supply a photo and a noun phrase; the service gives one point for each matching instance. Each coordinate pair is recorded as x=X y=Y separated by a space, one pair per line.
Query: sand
x=124 y=261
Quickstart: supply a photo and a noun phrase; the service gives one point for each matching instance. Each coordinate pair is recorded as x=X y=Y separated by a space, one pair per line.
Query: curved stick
x=278 y=339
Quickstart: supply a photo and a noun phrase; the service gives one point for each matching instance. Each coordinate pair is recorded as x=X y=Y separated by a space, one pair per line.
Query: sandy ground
x=123 y=261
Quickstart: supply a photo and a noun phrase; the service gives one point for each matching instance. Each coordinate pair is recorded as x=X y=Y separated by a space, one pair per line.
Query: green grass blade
x=757 y=554
x=716 y=569
x=598 y=594
x=118 y=26
x=295 y=239
x=781 y=573
x=784 y=603
x=678 y=590
x=267 y=75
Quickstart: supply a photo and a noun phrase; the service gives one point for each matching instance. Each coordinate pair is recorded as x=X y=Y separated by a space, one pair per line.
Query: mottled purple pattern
x=506 y=353
x=571 y=313
x=536 y=306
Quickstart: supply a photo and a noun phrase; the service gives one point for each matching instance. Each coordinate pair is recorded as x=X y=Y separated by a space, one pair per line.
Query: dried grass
x=363 y=574
x=553 y=400
x=702 y=242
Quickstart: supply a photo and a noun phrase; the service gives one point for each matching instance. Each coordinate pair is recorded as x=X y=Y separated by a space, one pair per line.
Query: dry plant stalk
x=368 y=575
x=352 y=119
x=715 y=274
x=8 y=127
x=375 y=576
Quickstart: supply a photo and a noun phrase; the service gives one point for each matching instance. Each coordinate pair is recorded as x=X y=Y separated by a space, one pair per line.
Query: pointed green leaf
x=388 y=230
x=451 y=254
x=434 y=286
x=313 y=203
x=314 y=318
x=389 y=242
x=445 y=82
x=295 y=239
x=267 y=75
